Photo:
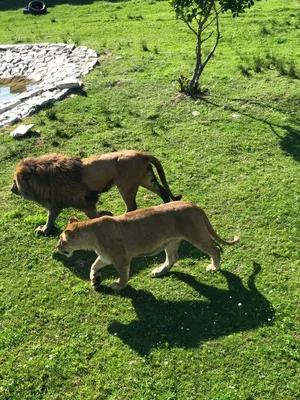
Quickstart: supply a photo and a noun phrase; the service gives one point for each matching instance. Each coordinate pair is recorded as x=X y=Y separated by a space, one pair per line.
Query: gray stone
x=59 y=68
x=21 y=131
x=69 y=84
x=28 y=111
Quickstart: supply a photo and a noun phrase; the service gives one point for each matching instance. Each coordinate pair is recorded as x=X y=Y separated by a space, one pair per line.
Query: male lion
x=117 y=240
x=56 y=181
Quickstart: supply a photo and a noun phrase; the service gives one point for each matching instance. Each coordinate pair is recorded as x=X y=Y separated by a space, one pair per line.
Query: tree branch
x=212 y=20
x=206 y=16
x=210 y=35
x=189 y=25
x=211 y=53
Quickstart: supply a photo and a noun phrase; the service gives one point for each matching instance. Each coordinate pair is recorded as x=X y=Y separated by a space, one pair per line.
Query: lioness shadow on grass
x=80 y=262
x=188 y=323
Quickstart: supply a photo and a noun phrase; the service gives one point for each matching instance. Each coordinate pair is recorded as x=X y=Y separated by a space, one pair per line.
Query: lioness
x=56 y=181
x=117 y=240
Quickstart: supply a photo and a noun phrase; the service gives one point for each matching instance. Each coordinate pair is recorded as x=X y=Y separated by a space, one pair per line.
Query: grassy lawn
x=236 y=153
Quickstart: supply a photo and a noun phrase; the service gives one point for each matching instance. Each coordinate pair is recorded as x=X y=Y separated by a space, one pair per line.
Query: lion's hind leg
x=150 y=182
x=171 y=251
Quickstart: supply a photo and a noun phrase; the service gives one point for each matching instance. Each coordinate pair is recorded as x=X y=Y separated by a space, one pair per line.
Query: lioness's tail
x=214 y=234
x=153 y=160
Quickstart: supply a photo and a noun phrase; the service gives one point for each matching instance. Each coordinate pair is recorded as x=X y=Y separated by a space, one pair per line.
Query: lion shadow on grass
x=187 y=324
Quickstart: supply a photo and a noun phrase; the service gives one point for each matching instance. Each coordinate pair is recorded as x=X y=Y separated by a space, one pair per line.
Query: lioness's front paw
x=116 y=286
x=43 y=230
x=95 y=282
x=211 y=268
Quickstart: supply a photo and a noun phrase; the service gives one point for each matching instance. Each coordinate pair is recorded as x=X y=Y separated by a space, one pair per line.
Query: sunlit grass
x=236 y=153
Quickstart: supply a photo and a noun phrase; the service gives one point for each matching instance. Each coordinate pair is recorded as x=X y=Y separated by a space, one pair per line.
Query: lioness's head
x=67 y=240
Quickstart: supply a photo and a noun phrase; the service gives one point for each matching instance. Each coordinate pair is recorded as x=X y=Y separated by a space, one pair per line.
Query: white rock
x=69 y=84
x=28 y=111
x=21 y=130
x=58 y=67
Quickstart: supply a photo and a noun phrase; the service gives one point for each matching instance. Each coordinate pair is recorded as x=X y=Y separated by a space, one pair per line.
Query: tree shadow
x=289 y=143
x=189 y=323
x=16 y=4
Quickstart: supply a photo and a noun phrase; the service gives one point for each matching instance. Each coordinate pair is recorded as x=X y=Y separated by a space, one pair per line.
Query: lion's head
x=51 y=179
x=21 y=184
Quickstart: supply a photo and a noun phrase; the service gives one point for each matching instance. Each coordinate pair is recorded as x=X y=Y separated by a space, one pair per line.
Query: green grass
x=190 y=335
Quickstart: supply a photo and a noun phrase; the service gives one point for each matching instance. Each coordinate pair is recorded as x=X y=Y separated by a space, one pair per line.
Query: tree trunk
x=194 y=83
x=194 y=88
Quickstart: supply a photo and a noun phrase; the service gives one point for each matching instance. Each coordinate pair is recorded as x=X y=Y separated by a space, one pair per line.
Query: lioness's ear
x=69 y=232
x=72 y=220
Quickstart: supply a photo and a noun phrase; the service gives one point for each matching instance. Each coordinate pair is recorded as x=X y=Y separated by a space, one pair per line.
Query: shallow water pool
x=12 y=87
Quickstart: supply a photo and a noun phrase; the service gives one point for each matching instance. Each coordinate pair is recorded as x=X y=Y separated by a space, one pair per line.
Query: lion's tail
x=153 y=160
x=215 y=236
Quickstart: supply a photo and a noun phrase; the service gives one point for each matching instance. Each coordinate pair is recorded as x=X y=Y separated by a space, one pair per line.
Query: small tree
x=202 y=18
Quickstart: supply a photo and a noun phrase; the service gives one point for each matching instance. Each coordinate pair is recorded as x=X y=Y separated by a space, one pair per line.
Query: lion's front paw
x=211 y=268
x=43 y=230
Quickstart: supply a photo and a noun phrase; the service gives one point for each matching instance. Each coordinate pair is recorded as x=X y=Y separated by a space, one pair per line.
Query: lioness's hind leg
x=213 y=252
x=171 y=251
x=95 y=275
x=215 y=258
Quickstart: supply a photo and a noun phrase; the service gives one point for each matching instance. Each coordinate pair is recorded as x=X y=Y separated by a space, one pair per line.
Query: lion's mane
x=52 y=180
